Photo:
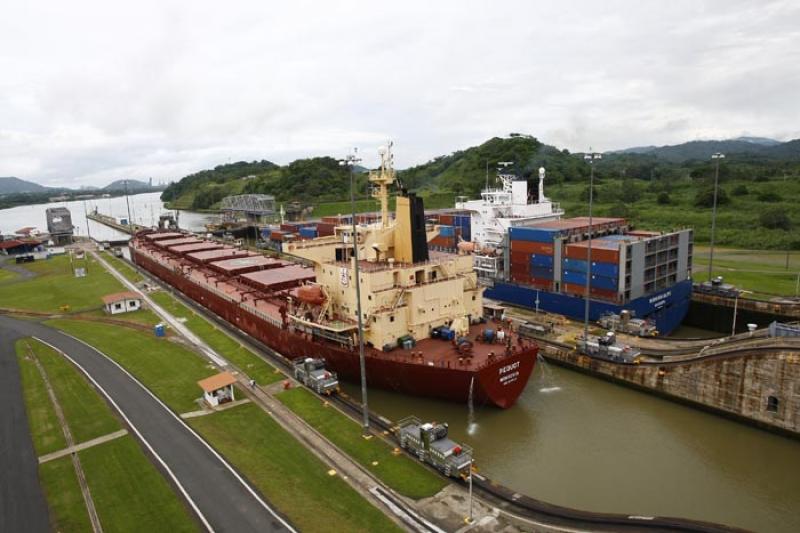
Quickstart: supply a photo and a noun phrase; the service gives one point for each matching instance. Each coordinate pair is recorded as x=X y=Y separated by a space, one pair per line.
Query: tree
x=775 y=219
x=663 y=198
x=705 y=197
x=740 y=190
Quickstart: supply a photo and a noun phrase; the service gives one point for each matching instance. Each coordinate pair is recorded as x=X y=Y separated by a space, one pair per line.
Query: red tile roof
x=217 y=381
x=119 y=296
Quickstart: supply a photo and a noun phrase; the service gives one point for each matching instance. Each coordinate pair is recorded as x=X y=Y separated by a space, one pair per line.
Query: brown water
x=581 y=442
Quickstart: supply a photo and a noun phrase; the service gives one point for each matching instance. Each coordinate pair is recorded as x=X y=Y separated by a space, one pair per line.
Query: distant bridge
x=249 y=204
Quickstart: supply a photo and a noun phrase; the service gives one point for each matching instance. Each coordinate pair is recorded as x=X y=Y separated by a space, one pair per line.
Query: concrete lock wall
x=739 y=387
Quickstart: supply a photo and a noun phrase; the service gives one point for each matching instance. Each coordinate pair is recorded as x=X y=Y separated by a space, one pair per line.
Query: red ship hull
x=497 y=383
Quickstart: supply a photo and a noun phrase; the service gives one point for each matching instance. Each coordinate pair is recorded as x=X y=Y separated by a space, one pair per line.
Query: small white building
x=122 y=302
x=218 y=388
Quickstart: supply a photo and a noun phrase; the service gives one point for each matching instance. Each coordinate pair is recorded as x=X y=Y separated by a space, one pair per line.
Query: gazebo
x=218 y=389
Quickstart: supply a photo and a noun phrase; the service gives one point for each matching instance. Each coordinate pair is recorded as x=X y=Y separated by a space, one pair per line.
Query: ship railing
x=408 y=421
x=262 y=315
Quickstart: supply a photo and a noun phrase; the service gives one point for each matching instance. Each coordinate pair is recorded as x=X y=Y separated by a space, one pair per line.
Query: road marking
x=82 y=446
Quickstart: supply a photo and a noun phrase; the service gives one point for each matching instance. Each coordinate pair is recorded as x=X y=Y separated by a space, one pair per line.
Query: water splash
x=472 y=427
x=547 y=390
x=546 y=377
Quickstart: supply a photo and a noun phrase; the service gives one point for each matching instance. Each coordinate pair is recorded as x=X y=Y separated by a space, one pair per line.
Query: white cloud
x=95 y=91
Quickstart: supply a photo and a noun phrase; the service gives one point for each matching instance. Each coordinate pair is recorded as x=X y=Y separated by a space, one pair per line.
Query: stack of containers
x=531 y=256
x=604 y=269
x=448 y=237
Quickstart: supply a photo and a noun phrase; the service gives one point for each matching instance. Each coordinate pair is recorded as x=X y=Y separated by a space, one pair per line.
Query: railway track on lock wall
x=520 y=506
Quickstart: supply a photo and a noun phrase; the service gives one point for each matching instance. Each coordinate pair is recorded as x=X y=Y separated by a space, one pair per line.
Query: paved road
x=22 y=504
x=222 y=500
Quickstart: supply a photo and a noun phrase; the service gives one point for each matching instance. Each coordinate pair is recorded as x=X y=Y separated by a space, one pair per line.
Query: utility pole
x=128 y=203
x=716 y=157
x=88 y=231
x=350 y=162
x=591 y=158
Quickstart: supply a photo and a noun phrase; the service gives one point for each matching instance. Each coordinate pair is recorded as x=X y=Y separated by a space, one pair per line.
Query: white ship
x=499 y=209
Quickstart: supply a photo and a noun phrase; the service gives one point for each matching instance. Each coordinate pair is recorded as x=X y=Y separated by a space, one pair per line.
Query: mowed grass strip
x=45 y=430
x=63 y=495
x=56 y=286
x=250 y=363
x=87 y=414
x=400 y=472
x=6 y=275
x=142 y=316
x=290 y=476
x=129 y=493
x=166 y=368
x=130 y=273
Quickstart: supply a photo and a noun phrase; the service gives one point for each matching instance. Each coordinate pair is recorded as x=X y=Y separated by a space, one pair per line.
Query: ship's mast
x=383 y=178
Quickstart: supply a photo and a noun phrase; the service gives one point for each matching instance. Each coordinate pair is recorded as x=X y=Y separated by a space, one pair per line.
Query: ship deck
x=251 y=291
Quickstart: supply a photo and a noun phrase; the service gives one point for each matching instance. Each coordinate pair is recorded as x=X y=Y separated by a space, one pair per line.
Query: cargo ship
x=528 y=255
x=424 y=328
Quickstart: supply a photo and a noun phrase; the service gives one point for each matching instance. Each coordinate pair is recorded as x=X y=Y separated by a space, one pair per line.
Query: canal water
x=581 y=442
x=144 y=208
x=575 y=440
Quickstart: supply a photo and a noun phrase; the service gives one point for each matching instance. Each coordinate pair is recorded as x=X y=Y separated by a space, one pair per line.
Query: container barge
x=424 y=329
x=527 y=255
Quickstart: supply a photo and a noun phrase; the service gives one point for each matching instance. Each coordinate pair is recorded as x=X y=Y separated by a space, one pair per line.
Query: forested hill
x=766 y=149
x=322 y=179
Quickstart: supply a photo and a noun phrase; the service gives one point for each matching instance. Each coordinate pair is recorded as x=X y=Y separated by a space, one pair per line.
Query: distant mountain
x=132 y=185
x=15 y=185
x=764 y=141
x=701 y=150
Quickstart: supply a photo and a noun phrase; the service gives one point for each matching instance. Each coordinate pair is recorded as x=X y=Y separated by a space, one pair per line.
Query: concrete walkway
x=82 y=446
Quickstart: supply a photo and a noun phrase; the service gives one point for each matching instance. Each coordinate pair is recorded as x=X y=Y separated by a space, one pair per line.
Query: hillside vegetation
x=657 y=189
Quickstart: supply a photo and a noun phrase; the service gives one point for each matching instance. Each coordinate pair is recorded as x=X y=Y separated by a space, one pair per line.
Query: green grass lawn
x=56 y=286
x=7 y=275
x=754 y=270
x=247 y=361
x=86 y=412
x=289 y=475
x=168 y=369
x=130 y=273
x=44 y=427
x=129 y=493
x=63 y=495
x=400 y=472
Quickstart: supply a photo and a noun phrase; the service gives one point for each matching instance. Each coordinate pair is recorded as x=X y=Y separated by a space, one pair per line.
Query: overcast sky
x=96 y=91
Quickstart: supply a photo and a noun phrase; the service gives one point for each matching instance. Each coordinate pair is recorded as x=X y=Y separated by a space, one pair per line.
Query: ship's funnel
x=410 y=241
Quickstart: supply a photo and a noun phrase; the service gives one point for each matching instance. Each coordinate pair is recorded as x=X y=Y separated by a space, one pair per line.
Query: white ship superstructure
x=499 y=209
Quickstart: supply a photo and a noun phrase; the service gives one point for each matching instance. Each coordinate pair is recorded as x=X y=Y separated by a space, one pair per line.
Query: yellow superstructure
x=398 y=296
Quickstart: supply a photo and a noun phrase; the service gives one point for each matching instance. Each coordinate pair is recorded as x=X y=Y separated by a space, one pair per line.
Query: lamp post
x=591 y=158
x=350 y=162
x=716 y=157
x=735 y=308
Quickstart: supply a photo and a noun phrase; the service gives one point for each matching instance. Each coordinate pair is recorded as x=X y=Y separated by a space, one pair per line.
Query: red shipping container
x=572 y=288
x=520 y=258
x=603 y=293
x=446 y=220
x=599 y=253
x=544 y=284
x=530 y=247
x=325 y=229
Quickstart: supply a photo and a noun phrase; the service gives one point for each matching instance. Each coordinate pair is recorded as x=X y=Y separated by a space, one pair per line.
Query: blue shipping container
x=447 y=231
x=461 y=220
x=609 y=270
x=575 y=265
x=602 y=282
x=532 y=234
x=576 y=278
x=541 y=260
x=542 y=272
x=308 y=232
